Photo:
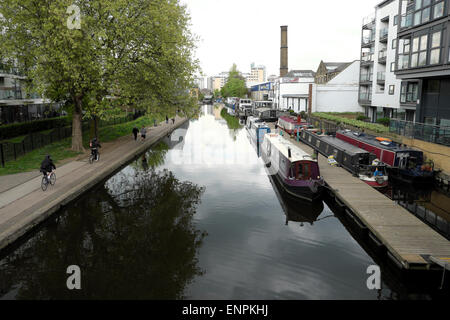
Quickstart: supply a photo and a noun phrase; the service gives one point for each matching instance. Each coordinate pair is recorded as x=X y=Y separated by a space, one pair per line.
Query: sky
x=246 y=31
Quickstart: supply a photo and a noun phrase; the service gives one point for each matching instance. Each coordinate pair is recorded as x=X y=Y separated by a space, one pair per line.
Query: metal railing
x=421 y=131
x=367 y=57
x=10 y=151
x=367 y=39
x=381 y=76
x=382 y=54
x=365 y=77
x=383 y=33
x=365 y=96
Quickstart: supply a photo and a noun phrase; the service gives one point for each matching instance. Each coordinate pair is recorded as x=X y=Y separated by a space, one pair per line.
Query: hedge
x=19 y=129
x=355 y=123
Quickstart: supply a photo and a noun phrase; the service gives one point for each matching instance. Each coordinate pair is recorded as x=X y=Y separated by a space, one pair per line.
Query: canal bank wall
x=26 y=206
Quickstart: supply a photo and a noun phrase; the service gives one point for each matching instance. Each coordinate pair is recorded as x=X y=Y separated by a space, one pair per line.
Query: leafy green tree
x=235 y=85
x=125 y=54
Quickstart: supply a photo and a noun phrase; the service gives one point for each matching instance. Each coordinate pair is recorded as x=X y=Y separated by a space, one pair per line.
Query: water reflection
x=132 y=237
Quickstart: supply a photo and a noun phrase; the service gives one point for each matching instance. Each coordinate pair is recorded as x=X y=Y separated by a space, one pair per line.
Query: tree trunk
x=77 y=131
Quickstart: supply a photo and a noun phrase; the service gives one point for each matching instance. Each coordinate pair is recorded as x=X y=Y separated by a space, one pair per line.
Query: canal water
x=194 y=218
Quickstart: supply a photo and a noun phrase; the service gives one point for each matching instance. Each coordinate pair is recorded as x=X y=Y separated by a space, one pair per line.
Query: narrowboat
x=291 y=124
x=359 y=162
x=403 y=163
x=257 y=130
x=267 y=114
x=296 y=171
x=296 y=210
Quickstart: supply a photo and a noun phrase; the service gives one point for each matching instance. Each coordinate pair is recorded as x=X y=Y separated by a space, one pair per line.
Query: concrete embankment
x=26 y=205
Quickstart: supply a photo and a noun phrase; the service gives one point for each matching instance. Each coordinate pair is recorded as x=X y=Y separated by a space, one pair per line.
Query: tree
x=126 y=53
x=235 y=85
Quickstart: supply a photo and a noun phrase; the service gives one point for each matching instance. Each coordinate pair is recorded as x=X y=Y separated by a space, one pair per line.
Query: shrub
x=362 y=118
x=384 y=121
x=355 y=123
x=23 y=128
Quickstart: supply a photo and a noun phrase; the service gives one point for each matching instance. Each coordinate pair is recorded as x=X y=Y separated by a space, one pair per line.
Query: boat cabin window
x=301 y=171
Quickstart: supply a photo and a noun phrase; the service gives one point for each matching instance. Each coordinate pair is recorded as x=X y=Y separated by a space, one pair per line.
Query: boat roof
x=367 y=138
x=282 y=145
x=345 y=146
x=288 y=119
x=263 y=109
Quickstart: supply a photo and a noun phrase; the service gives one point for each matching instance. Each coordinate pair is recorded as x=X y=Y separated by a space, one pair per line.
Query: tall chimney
x=284 y=52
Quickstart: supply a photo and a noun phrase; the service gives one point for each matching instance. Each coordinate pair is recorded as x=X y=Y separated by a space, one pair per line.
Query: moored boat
x=403 y=163
x=297 y=171
x=359 y=162
x=291 y=125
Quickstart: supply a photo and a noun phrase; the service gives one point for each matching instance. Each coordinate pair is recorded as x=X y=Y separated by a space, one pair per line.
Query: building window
x=391 y=89
x=403 y=53
x=394 y=43
x=396 y=20
x=409 y=92
x=392 y=66
x=438 y=9
x=419 y=51
x=435 y=51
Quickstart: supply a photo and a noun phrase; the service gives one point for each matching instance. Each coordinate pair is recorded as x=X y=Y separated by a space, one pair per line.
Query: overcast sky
x=246 y=31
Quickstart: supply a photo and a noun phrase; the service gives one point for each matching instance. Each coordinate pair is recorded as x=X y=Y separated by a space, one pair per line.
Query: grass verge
x=61 y=150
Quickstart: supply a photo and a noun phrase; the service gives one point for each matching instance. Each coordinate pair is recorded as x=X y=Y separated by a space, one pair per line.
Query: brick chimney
x=284 y=52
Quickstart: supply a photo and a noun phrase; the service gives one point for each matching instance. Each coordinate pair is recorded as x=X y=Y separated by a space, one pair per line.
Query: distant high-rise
x=284 y=52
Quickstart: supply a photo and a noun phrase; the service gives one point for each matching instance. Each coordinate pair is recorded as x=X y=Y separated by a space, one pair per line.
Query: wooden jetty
x=410 y=243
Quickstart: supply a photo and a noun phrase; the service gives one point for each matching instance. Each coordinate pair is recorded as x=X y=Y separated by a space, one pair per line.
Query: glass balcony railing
x=368 y=57
x=383 y=33
x=382 y=55
x=406 y=20
x=381 y=76
x=365 y=77
x=421 y=131
x=10 y=95
x=365 y=96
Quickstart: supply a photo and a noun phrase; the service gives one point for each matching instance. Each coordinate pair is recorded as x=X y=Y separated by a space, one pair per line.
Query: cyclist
x=47 y=166
x=94 y=148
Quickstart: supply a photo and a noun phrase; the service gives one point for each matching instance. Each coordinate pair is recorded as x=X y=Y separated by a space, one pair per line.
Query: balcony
x=384 y=35
x=369 y=22
x=366 y=58
x=367 y=41
x=381 y=77
x=382 y=56
x=406 y=20
x=365 y=97
x=10 y=94
x=365 y=78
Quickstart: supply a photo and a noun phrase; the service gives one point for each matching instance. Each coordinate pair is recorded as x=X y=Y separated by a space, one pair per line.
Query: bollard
x=2 y=155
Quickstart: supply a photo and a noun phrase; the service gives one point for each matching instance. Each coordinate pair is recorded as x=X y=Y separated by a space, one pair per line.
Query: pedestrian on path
x=173 y=120
x=154 y=123
x=167 y=119
x=143 y=133
x=135 y=133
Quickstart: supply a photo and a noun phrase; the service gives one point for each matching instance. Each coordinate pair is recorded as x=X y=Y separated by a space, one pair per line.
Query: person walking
x=135 y=133
x=167 y=119
x=173 y=120
x=154 y=123
x=143 y=133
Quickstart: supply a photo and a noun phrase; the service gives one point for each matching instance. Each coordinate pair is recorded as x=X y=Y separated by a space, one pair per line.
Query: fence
x=10 y=151
x=421 y=131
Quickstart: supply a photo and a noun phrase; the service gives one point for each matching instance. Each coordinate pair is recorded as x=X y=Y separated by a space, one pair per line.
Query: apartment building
x=423 y=60
x=257 y=75
x=379 y=89
x=17 y=105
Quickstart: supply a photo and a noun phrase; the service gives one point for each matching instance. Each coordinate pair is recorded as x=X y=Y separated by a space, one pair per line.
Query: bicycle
x=46 y=181
x=94 y=157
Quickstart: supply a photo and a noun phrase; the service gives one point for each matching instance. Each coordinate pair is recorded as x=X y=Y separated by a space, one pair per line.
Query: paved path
x=24 y=205
x=410 y=242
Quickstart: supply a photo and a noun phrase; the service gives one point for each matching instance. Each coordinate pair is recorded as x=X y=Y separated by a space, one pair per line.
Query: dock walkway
x=411 y=243
x=24 y=205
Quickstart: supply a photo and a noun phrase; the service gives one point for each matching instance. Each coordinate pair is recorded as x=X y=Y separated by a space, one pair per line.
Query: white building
x=292 y=91
x=340 y=94
x=379 y=88
x=257 y=75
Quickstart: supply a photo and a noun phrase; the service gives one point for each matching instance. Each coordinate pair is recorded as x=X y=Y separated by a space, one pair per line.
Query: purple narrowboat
x=296 y=171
